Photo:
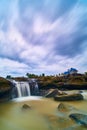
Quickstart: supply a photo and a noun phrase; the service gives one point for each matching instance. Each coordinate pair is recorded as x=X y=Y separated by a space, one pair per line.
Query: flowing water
x=23 y=89
x=43 y=114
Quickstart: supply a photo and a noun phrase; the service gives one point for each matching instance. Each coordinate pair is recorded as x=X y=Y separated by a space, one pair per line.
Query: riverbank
x=63 y=83
x=5 y=89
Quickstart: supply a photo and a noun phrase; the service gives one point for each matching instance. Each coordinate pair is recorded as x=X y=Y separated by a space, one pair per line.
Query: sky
x=42 y=36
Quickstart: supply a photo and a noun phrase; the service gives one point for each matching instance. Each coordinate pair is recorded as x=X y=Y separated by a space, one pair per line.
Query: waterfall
x=23 y=89
x=36 y=86
x=84 y=93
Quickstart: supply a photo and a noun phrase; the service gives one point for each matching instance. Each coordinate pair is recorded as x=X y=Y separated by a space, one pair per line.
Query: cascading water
x=23 y=89
x=34 y=87
x=84 y=93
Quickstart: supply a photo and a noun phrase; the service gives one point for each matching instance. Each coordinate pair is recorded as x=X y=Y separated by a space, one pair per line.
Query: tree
x=43 y=75
x=31 y=75
x=85 y=73
x=27 y=75
x=8 y=77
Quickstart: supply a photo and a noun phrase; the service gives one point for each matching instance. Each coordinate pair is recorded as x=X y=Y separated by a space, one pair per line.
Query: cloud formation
x=42 y=36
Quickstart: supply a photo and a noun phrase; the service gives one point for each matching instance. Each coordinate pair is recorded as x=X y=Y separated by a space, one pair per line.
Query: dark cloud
x=74 y=43
x=71 y=48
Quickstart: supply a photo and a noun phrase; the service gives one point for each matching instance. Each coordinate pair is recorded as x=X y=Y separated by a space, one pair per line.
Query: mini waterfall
x=23 y=89
x=34 y=87
x=84 y=93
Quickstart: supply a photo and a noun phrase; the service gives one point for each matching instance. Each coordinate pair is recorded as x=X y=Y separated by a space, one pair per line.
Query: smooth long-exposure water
x=43 y=115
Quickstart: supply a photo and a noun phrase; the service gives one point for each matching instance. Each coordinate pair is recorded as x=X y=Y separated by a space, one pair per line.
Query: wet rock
x=68 y=97
x=54 y=92
x=25 y=106
x=62 y=107
x=79 y=118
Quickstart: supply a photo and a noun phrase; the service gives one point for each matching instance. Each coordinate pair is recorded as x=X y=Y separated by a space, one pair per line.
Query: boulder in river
x=25 y=106
x=62 y=107
x=54 y=92
x=79 y=118
x=68 y=97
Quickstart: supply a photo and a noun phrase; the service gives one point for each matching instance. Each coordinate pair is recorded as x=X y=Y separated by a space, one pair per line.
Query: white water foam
x=21 y=99
x=84 y=95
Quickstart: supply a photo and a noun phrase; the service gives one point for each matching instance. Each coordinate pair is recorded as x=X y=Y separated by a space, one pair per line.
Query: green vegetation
x=31 y=75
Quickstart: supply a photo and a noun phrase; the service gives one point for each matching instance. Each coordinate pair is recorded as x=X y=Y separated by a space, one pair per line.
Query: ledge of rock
x=54 y=92
x=68 y=97
x=79 y=118
x=5 y=89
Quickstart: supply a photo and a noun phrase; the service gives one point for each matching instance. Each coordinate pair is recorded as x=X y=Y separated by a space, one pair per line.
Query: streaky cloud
x=42 y=36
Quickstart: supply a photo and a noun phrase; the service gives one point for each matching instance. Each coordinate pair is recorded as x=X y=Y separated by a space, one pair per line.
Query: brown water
x=43 y=115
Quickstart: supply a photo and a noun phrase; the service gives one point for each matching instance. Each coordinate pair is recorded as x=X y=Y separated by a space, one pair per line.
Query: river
x=43 y=115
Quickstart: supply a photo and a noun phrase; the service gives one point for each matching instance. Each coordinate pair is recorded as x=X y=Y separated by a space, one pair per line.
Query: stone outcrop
x=68 y=97
x=79 y=118
x=5 y=89
x=54 y=92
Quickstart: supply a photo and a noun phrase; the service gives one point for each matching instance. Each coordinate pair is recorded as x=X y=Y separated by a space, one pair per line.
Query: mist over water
x=43 y=115
x=21 y=99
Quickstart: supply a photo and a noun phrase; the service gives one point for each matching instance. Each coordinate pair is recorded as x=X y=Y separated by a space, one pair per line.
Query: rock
x=68 y=97
x=25 y=106
x=53 y=93
x=62 y=107
x=79 y=118
x=5 y=89
x=80 y=91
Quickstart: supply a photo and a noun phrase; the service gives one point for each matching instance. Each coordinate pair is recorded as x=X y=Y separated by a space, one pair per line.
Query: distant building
x=66 y=73
x=73 y=71
x=70 y=71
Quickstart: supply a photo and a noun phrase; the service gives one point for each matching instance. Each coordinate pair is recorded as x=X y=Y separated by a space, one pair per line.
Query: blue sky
x=42 y=36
